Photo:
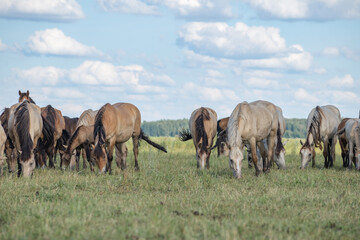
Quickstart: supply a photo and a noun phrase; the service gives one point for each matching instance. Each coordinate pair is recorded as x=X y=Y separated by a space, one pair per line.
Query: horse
x=351 y=130
x=53 y=126
x=117 y=123
x=251 y=123
x=87 y=118
x=3 y=139
x=202 y=125
x=25 y=128
x=83 y=135
x=70 y=126
x=10 y=150
x=343 y=143
x=322 y=124
x=222 y=148
x=25 y=96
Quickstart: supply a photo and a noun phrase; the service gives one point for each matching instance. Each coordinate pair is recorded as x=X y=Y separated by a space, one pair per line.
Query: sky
x=170 y=57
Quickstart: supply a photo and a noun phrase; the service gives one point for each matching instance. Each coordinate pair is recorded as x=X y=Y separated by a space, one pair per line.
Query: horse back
x=222 y=124
x=87 y=118
x=128 y=120
x=36 y=123
x=331 y=120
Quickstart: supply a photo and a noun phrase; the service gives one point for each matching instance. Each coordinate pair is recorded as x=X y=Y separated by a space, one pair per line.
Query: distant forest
x=295 y=128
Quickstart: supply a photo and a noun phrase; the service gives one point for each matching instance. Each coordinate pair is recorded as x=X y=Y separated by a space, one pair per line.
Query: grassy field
x=170 y=199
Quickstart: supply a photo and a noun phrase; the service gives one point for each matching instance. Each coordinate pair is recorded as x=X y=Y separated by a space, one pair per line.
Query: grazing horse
x=25 y=96
x=343 y=143
x=351 y=130
x=25 y=128
x=251 y=123
x=10 y=150
x=82 y=135
x=117 y=123
x=322 y=124
x=3 y=139
x=202 y=125
x=70 y=127
x=222 y=148
x=53 y=126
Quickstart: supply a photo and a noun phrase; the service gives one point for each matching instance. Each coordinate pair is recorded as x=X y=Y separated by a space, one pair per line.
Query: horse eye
x=309 y=154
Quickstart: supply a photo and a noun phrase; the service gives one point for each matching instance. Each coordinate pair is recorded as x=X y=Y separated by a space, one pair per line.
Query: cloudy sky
x=169 y=57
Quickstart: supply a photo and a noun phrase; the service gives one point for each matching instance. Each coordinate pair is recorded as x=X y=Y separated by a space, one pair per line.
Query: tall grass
x=170 y=199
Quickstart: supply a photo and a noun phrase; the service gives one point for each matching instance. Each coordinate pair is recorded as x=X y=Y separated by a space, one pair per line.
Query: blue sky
x=169 y=57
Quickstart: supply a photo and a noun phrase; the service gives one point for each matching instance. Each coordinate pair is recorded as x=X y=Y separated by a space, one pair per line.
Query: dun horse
x=25 y=96
x=251 y=123
x=10 y=150
x=343 y=143
x=322 y=124
x=117 y=123
x=2 y=148
x=202 y=125
x=25 y=128
x=222 y=147
x=351 y=130
x=70 y=126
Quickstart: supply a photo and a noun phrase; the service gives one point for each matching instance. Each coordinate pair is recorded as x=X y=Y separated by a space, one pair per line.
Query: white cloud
x=261 y=83
x=330 y=51
x=302 y=95
x=41 y=75
x=240 y=41
x=307 y=9
x=3 y=46
x=133 y=78
x=342 y=82
x=55 y=42
x=50 y=10
x=183 y=8
x=128 y=6
x=212 y=94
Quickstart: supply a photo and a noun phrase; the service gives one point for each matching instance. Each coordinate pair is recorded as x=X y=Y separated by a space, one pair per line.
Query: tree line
x=295 y=128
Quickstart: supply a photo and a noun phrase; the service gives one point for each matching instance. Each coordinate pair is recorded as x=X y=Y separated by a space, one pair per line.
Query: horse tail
x=218 y=128
x=147 y=139
x=48 y=125
x=200 y=129
x=279 y=145
x=185 y=135
x=99 y=131
x=22 y=127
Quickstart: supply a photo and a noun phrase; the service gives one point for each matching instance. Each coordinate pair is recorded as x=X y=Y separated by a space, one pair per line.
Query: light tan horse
x=3 y=139
x=10 y=150
x=25 y=128
x=117 y=123
x=202 y=125
x=322 y=124
x=352 y=135
x=53 y=127
x=251 y=123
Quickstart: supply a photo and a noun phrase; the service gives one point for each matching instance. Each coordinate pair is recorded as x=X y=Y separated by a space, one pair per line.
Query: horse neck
x=310 y=138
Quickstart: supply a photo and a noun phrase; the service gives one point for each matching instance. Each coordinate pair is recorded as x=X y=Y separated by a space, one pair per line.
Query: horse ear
x=301 y=142
x=285 y=142
x=19 y=93
x=27 y=93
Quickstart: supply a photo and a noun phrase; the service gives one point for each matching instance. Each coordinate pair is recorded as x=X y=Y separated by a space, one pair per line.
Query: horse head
x=24 y=96
x=307 y=152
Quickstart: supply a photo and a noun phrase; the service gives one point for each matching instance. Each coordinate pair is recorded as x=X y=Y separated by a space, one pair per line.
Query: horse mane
x=200 y=129
x=4 y=117
x=48 y=126
x=314 y=128
x=279 y=145
x=22 y=127
x=99 y=131
x=233 y=138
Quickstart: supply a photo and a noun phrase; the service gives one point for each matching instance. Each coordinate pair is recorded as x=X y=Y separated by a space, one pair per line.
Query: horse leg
x=136 y=151
x=110 y=154
x=325 y=153
x=351 y=154
x=313 y=157
x=254 y=155
x=83 y=153
x=262 y=154
x=270 y=150
x=332 y=150
x=77 y=159
x=121 y=154
x=88 y=156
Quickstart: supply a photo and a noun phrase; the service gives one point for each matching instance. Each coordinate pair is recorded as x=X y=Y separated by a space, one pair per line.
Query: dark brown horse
x=53 y=126
x=25 y=96
x=117 y=123
x=202 y=125
x=222 y=148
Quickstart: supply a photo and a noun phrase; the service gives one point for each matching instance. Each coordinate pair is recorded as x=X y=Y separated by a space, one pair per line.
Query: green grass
x=170 y=199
